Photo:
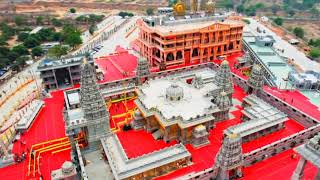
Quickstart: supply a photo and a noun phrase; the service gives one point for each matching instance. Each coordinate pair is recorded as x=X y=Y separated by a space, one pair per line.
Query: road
x=118 y=38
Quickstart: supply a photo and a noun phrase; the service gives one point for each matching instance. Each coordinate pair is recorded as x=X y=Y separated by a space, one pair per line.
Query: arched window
x=195 y=52
x=170 y=57
x=179 y=55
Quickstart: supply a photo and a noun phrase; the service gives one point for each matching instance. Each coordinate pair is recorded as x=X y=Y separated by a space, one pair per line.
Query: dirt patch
x=311 y=28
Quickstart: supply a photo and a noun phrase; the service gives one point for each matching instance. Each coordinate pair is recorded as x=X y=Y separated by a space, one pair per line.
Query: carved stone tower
x=197 y=82
x=229 y=158
x=256 y=80
x=308 y=152
x=223 y=79
x=142 y=69
x=93 y=105
x=224 y=104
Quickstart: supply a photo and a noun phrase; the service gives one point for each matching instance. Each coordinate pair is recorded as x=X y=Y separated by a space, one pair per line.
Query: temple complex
x=195 y=100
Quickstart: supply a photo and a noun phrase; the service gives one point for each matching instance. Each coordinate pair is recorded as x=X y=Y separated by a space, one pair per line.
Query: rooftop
x=193 y=104
x=48 y=64
x=122 y=167
x=170 y=24
x=271 y=60
x=290 y=51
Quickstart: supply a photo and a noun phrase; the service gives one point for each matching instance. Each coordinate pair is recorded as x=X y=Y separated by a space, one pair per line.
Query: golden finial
x=179 y=8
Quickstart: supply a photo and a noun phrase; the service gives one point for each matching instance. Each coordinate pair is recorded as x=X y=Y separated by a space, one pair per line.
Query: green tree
x=20 y=63
x=315 y=12
x=57 y=51
x=92 y=28
x=12 y=56
x=31 y=42
x=149 y=11
x=56 y=22
x=73 y=40
x=21 y=50
x=19 y=20
x=22 y=36
x=37 y=51
x=240 y=8
x=72 y=10
x=278 y=21
x=251 y=11
x=299 y=32
x=39 y=20
x=172 y=2
x=314 y=52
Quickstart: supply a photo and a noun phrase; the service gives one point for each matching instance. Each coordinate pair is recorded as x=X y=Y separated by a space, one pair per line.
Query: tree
x=251 y=11
x=278 y=21
x=240 y=8
x=314 y=52
x=172 y=2
x=56 y=22
x=57 y=51
x=31 y=42
x=275 y=8
x=149 y=11
x=19 y=63
x=37 y=51
x=73 y=40
x=92 y=28
x=71 y=35
x=19 y=20
x=12 y=56
x=315 y=12
x=72 y=10
x=21 y=50
x=39 y=20
x=22 y=36
x=299 y=32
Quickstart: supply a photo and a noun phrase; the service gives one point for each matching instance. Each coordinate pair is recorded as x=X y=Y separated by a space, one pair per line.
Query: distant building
x=61 y=73
x=181 y=40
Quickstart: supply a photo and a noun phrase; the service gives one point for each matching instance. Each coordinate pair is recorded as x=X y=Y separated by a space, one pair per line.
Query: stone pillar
x=71 y=79
x=298 y=173
x=55 y=79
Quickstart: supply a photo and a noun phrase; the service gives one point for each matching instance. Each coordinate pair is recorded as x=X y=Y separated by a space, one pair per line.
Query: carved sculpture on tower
x=142 y=69
x=223 y=79
x=93 y=105
x=256 y=80
x=229 y=158
x=224 y=104
x=197 y=82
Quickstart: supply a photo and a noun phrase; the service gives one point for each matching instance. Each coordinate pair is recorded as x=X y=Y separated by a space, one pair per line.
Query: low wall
x=292 y=112
x=279 y=146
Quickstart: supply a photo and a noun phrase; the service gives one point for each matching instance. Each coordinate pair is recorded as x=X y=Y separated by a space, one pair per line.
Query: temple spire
x=93 y=104
x=229 y=157
x=223 y=79
x=256 y=79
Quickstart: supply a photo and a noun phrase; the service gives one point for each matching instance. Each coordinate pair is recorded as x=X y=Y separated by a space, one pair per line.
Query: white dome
x=174 y=92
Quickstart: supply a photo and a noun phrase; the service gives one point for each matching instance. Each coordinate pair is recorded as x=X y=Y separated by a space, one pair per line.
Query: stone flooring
x=96 y=167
